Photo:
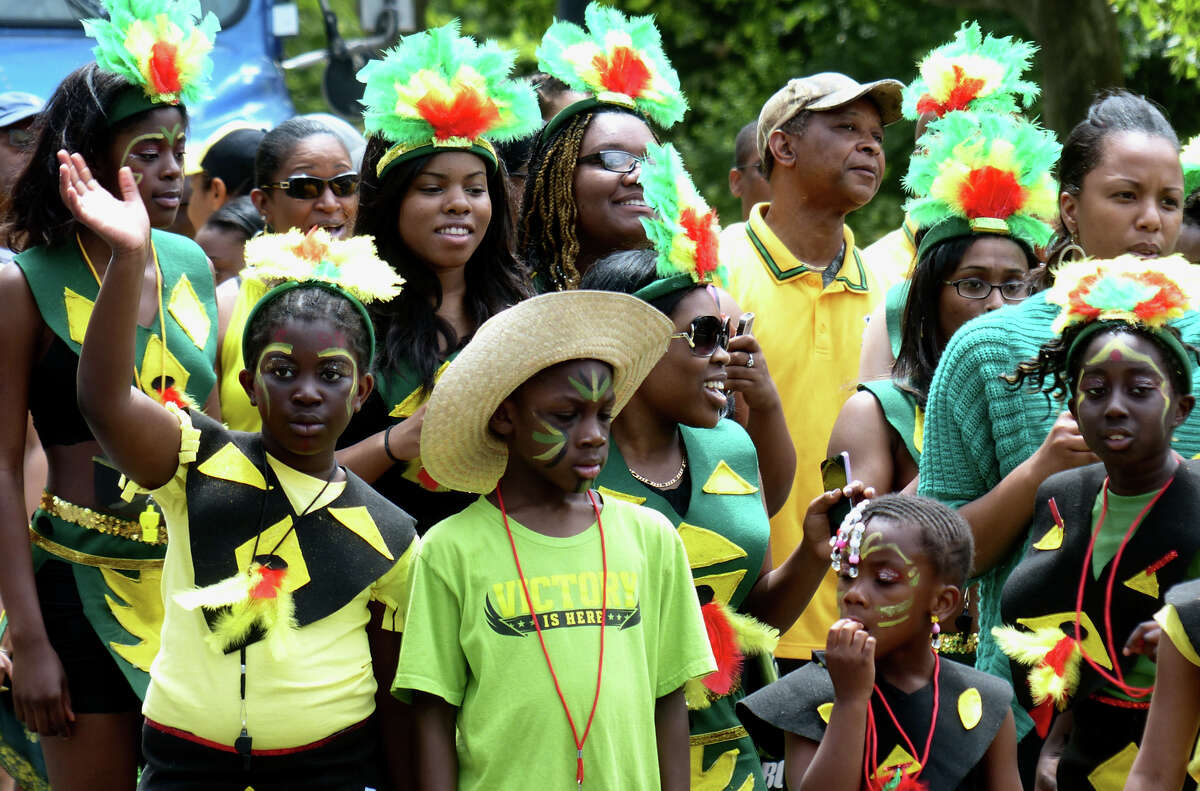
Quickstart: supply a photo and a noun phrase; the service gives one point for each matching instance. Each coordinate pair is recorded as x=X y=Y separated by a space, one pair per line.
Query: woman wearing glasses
x=305 y=180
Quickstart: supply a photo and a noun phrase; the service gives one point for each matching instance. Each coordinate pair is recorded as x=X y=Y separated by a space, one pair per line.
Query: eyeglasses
x=974 y=288
x=706 y=335
x=309 y=187
x=614 y=161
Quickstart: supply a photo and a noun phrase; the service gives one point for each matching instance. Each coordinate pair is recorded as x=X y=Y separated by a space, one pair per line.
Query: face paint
x=1116 y=350
x=867 y=549
x=555 y=439
x=283 y=348
x=895 y=613
x=595 y=390
x=337 y=351
x=169 y=136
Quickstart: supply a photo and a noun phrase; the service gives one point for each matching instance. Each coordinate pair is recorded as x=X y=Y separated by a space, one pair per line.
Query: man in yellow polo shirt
x=794 y=264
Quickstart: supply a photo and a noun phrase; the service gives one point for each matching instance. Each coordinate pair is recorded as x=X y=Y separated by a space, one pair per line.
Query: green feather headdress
x=160 y=46
x=1189 y=158
x=684 y=232
x=619 y=60
x=439 y=89
x=983 y=174
x=973 y=72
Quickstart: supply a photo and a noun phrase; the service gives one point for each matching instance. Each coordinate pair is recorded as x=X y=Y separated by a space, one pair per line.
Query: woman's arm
x=1161 y=763
x=227 y=294
x=671 y=733
x=862 y=431
x=437 y=761
x=875 y=361
x=1000 y=761
x=369 y=458
x=40 y=696
x=138 y=435
x=1046 y=774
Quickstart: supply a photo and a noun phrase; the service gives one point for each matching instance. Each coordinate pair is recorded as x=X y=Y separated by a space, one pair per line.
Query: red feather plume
x=164 y=72
x=702 y=230
x=625 y=72
x=171 y=396
x=269 y=583
x=468 y=115
x=723 y=641
x=991 y=192
x=961 y=95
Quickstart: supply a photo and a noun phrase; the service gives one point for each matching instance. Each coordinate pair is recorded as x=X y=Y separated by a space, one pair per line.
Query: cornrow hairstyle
x=1111 y=112
x=309 y=303
x=238 y=215
x=278 y=144
x=410 y=329
x=75 y=119
x=1055 y=373
x=921 y=343
x=548 y=238
x=945 y=537
x=629 y=271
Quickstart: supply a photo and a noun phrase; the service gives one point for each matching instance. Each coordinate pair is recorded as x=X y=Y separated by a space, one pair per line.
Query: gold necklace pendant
x=655 y=484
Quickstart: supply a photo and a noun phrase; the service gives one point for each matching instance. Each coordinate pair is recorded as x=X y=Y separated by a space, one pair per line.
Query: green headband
x=958 y=227
x=667 y=285
x=401 y=153
x=586 y=106
x=132 y=100
x=1169 y=340
x=289 y=285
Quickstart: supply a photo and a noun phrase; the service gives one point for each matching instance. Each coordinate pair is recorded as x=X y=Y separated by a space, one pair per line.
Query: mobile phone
x=745 y=323
x=835 y=474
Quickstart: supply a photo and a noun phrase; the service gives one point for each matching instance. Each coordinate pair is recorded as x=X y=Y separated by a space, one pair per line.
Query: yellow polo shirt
x=892 y=258
x=811 y=337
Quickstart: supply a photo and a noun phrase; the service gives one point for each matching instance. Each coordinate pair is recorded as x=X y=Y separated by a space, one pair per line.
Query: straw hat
x=457 y=448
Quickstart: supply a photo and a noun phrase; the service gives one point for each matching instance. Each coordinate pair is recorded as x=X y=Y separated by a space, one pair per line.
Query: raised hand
x=122 y=223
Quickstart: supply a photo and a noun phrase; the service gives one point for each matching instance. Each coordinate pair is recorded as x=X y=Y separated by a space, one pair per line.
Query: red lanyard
x=579 y=740
x=872 y=741
x=1117 y=680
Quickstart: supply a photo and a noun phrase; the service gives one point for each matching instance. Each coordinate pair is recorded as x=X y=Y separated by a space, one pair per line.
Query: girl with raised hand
x=879 y=709
x=582 y=196
x=83 y=605
x=672 y=450
x=283 y=568
x=304 y=178
x=434 y=198
x=989 y=446
x=1110 y=538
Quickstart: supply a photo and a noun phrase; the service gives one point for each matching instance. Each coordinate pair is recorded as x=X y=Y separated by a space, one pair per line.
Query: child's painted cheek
x=555 y=442
x=895 y=614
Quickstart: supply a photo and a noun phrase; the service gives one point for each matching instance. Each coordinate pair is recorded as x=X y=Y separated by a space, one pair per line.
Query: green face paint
x=282 y=348
x=337 y=351
x=895 y=613
x=868 y=547
x=556 y=441
x=1117 y=349
x=595 y=390
x=169 y=136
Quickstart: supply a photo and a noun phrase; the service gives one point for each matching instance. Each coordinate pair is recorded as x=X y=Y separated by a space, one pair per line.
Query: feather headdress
x=438 y=88
x=617 y=59
x=161 y=46
x=984 y=174
x=973 y=72
x=684 y=231
x=1128 y=289
x=1189 y=158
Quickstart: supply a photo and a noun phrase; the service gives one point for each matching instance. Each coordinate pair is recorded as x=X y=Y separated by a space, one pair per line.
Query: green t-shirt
x=469 y=639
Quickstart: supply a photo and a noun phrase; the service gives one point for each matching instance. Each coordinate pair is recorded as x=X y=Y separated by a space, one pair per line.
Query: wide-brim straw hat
x=458 y=450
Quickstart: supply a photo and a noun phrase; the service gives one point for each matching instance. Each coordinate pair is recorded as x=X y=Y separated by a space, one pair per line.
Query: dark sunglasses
x=706 y=335
x=309 y=187
x=614 y=161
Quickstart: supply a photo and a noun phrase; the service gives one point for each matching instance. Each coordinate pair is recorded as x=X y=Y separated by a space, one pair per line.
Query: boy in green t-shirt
x=549 y=631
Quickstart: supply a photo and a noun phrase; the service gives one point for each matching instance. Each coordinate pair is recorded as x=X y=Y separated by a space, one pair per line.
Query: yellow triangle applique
x=725 y=481
x=824 y=710
x=230 y=464
x=613 y=493
x=1092 y=643
x=970 y=707
x=718 y=776
x=360 y=523
x=723 y=585
x=1144 y=583
x=281 y=534
x=416 y=398
x=137 y=605
x=157 y=357
x=1052 y=540
x=188 y=310
x=919 y=430
x=79 y=312
x=707 y=548
x=1111 y=775
x=898 y=758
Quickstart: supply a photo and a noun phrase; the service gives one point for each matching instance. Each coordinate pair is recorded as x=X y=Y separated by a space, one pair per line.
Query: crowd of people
x=475 y=454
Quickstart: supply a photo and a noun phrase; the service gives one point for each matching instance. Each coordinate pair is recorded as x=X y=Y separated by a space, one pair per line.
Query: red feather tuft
x=426 y=480
x=164 y=72
x=702 y=229
x=991 y=192
x=961 y=95
x=1057 y=656
x=1042 y=715
x=910 y=783
x=269 y=583
x=1168 y=297
x=172 y=396
x=625 y=72
x=723 y=641
x=469 y=114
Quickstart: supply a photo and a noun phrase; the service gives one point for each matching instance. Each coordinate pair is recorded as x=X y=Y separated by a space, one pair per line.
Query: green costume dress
x=725 y=531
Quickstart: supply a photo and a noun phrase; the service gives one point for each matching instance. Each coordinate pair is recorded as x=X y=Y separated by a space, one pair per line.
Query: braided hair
x=945 y=537
x=547 y=236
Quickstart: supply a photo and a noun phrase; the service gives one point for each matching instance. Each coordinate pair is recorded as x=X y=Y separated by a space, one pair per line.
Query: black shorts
x=347 y=761
x=96 y=683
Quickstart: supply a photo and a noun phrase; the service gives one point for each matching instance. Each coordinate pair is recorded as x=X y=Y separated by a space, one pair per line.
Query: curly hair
x=945 y=537
x=1055 y=371
x=410 y=330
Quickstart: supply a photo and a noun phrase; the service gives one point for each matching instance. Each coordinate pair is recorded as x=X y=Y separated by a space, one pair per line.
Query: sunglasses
x=614 y=161
x=706 y=335
x=309 y=187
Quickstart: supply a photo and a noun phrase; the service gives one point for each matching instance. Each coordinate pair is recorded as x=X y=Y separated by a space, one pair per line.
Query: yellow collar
x=785 y=266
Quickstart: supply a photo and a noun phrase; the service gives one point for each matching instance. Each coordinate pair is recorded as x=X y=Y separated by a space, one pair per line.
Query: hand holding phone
x=745 y=323
x=835 y=474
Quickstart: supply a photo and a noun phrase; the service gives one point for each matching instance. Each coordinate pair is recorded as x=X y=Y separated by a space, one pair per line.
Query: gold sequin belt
x=101 y=523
